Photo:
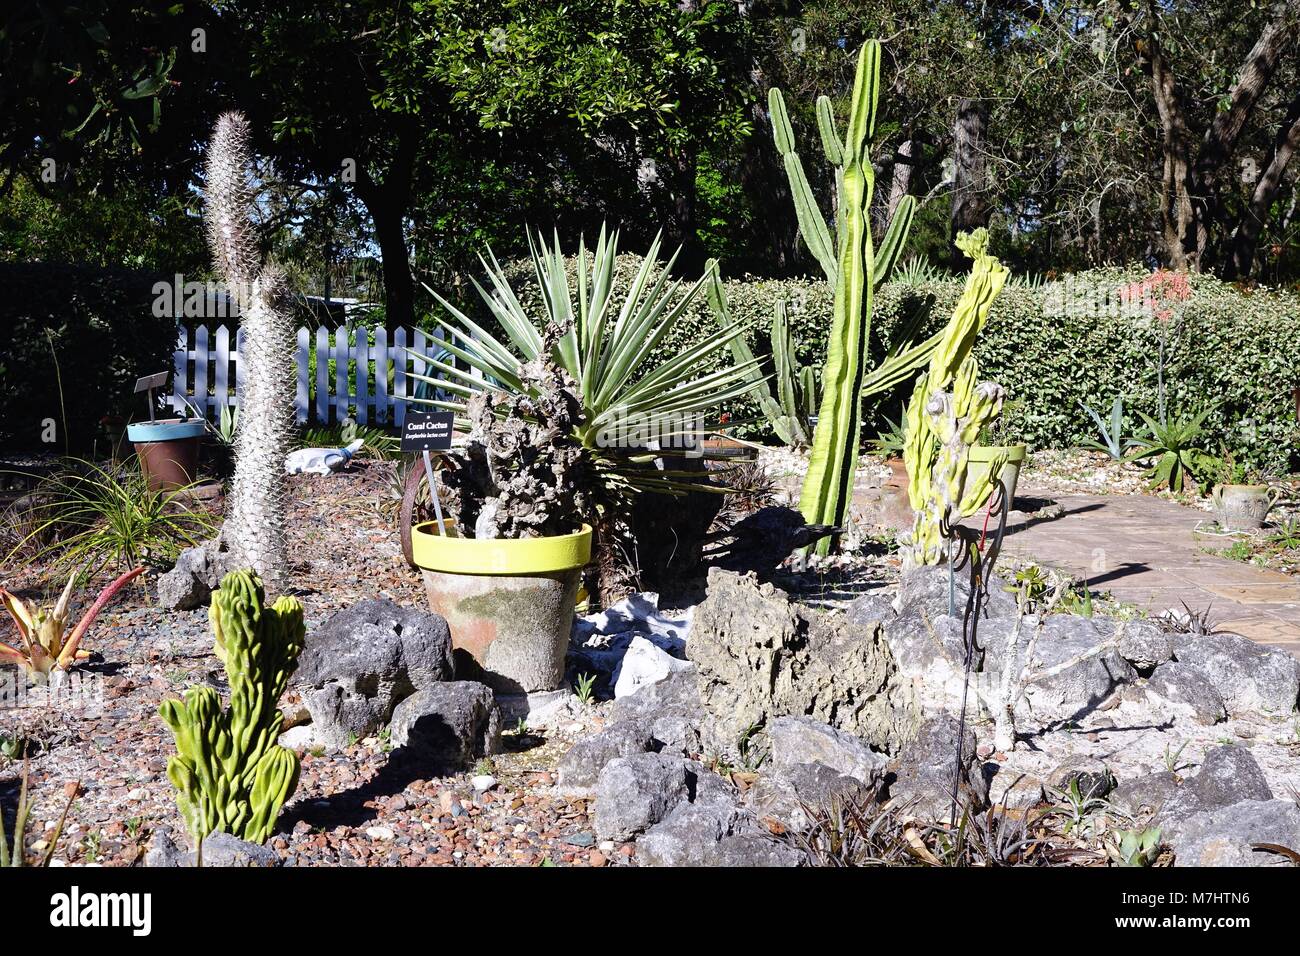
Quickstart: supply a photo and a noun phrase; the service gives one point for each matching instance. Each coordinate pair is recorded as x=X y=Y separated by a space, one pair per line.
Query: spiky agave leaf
x=607 y=337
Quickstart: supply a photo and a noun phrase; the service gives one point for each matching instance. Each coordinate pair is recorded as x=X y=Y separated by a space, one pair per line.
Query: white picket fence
x=369 y=381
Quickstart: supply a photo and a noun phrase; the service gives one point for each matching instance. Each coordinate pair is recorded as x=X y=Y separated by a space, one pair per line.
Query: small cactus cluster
x=228 y=771
x=947 y=411
x=254 y=531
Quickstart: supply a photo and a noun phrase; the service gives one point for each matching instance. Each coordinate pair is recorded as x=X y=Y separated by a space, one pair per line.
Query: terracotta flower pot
x=509 y=603
x=168 y=451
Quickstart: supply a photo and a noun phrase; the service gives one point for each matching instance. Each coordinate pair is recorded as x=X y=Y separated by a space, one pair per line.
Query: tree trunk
x=1246 y=242
x=681 y=216
x=970 y=175
x=388 y=202
x=1190 y=206
x=901 y=181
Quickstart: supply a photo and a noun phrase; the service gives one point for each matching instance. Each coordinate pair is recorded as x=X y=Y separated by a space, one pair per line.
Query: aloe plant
x=854 y=265
x=606 y=339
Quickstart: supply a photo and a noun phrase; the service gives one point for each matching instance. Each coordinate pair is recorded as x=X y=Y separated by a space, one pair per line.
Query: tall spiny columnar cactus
x=254 y=531
x=947 y=411
x=854 y=266
x=228 y=771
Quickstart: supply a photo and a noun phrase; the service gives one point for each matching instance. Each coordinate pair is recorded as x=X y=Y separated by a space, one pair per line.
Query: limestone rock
x=923 y=772
x=1189 y=691
x=760 y=656
x=449 y=724
x=636 y=792
x=580 y=768
x=1223 y=836
x=365 y=660
x=1250 y=677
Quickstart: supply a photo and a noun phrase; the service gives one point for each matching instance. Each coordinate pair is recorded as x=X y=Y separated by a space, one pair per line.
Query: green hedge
x=1051 y=348
x=104 y=334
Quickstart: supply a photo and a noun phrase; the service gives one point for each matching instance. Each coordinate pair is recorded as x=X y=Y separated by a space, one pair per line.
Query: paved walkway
x=1142 y=550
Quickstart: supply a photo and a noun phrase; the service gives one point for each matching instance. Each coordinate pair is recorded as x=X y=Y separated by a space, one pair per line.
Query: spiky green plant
x=947 y=411
x=254 y=530
x=228 y=770
x=854 y=265
x=1179 y=461
x=606 y=338
x=791 y=402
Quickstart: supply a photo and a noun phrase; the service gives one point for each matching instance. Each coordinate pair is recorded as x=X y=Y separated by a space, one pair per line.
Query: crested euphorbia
x=44 y=643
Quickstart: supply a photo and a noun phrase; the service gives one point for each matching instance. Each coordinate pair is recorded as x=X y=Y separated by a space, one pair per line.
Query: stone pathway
x=1143 y=550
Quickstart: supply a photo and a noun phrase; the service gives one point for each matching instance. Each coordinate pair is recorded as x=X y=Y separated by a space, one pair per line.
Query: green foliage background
x=1231 y=349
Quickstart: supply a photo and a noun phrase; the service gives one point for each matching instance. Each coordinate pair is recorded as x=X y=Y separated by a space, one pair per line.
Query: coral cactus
x=228 y=771
x=947 y=411
x=254 y=531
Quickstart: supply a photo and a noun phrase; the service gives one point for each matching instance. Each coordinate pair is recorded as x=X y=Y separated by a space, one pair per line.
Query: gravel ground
x=363 y=806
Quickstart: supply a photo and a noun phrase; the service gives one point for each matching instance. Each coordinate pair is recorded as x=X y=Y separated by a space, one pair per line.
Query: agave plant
x=607 y=339
x=1112 y=441
x=1171 y=441
x=44 y=643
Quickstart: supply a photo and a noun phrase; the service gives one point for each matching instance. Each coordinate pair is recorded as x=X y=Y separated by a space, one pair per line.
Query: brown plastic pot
x=168 y=451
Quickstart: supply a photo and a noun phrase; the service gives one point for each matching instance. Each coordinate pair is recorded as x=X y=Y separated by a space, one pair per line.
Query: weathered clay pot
x=168 y=451
x=1244 y=507
x=508 y=602
x=981 y=458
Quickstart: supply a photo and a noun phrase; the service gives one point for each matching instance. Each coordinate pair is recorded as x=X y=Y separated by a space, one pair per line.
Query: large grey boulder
x=634 y=793
x=803 y=740
x=1228 y=775
x=1250 y=677
x=927 y=589
x=787 y=796
x=1224 y=836
x=1082 y=684
x=688 y=836
x=580 y=767
x=753 y=849
x=1188 y=691
x=922 y=775
x=365 y=660
x=1145 y=794
x=671 y=708
x=1145 y=645
x=448 y=724
x=761 y=656
x=197 y=573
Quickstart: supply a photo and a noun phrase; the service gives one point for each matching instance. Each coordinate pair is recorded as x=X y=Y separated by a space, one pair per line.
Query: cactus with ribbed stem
x=228 y=771
x=947 y=411
x=254 y=530
x=854 y=265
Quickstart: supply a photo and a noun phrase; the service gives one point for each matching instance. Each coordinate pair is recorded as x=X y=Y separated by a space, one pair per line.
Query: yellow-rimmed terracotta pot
x=508 y=602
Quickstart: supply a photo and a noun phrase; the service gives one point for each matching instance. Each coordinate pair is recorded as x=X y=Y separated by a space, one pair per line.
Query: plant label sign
x=427 y=431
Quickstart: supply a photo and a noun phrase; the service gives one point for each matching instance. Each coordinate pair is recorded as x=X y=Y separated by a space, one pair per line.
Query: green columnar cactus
x=947 y=411
x=854 y=265
x=228 y=771
x=254 y=532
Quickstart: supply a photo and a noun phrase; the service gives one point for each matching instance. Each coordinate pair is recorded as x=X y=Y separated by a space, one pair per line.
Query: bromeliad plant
x=854 y=265
x=44 y=644
x=602 y=337
x=947 y=411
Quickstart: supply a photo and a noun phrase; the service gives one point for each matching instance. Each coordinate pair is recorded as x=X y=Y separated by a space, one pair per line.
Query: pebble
x=581 y=839
x=596 y=858
x=483 y=782
x=380 y=833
